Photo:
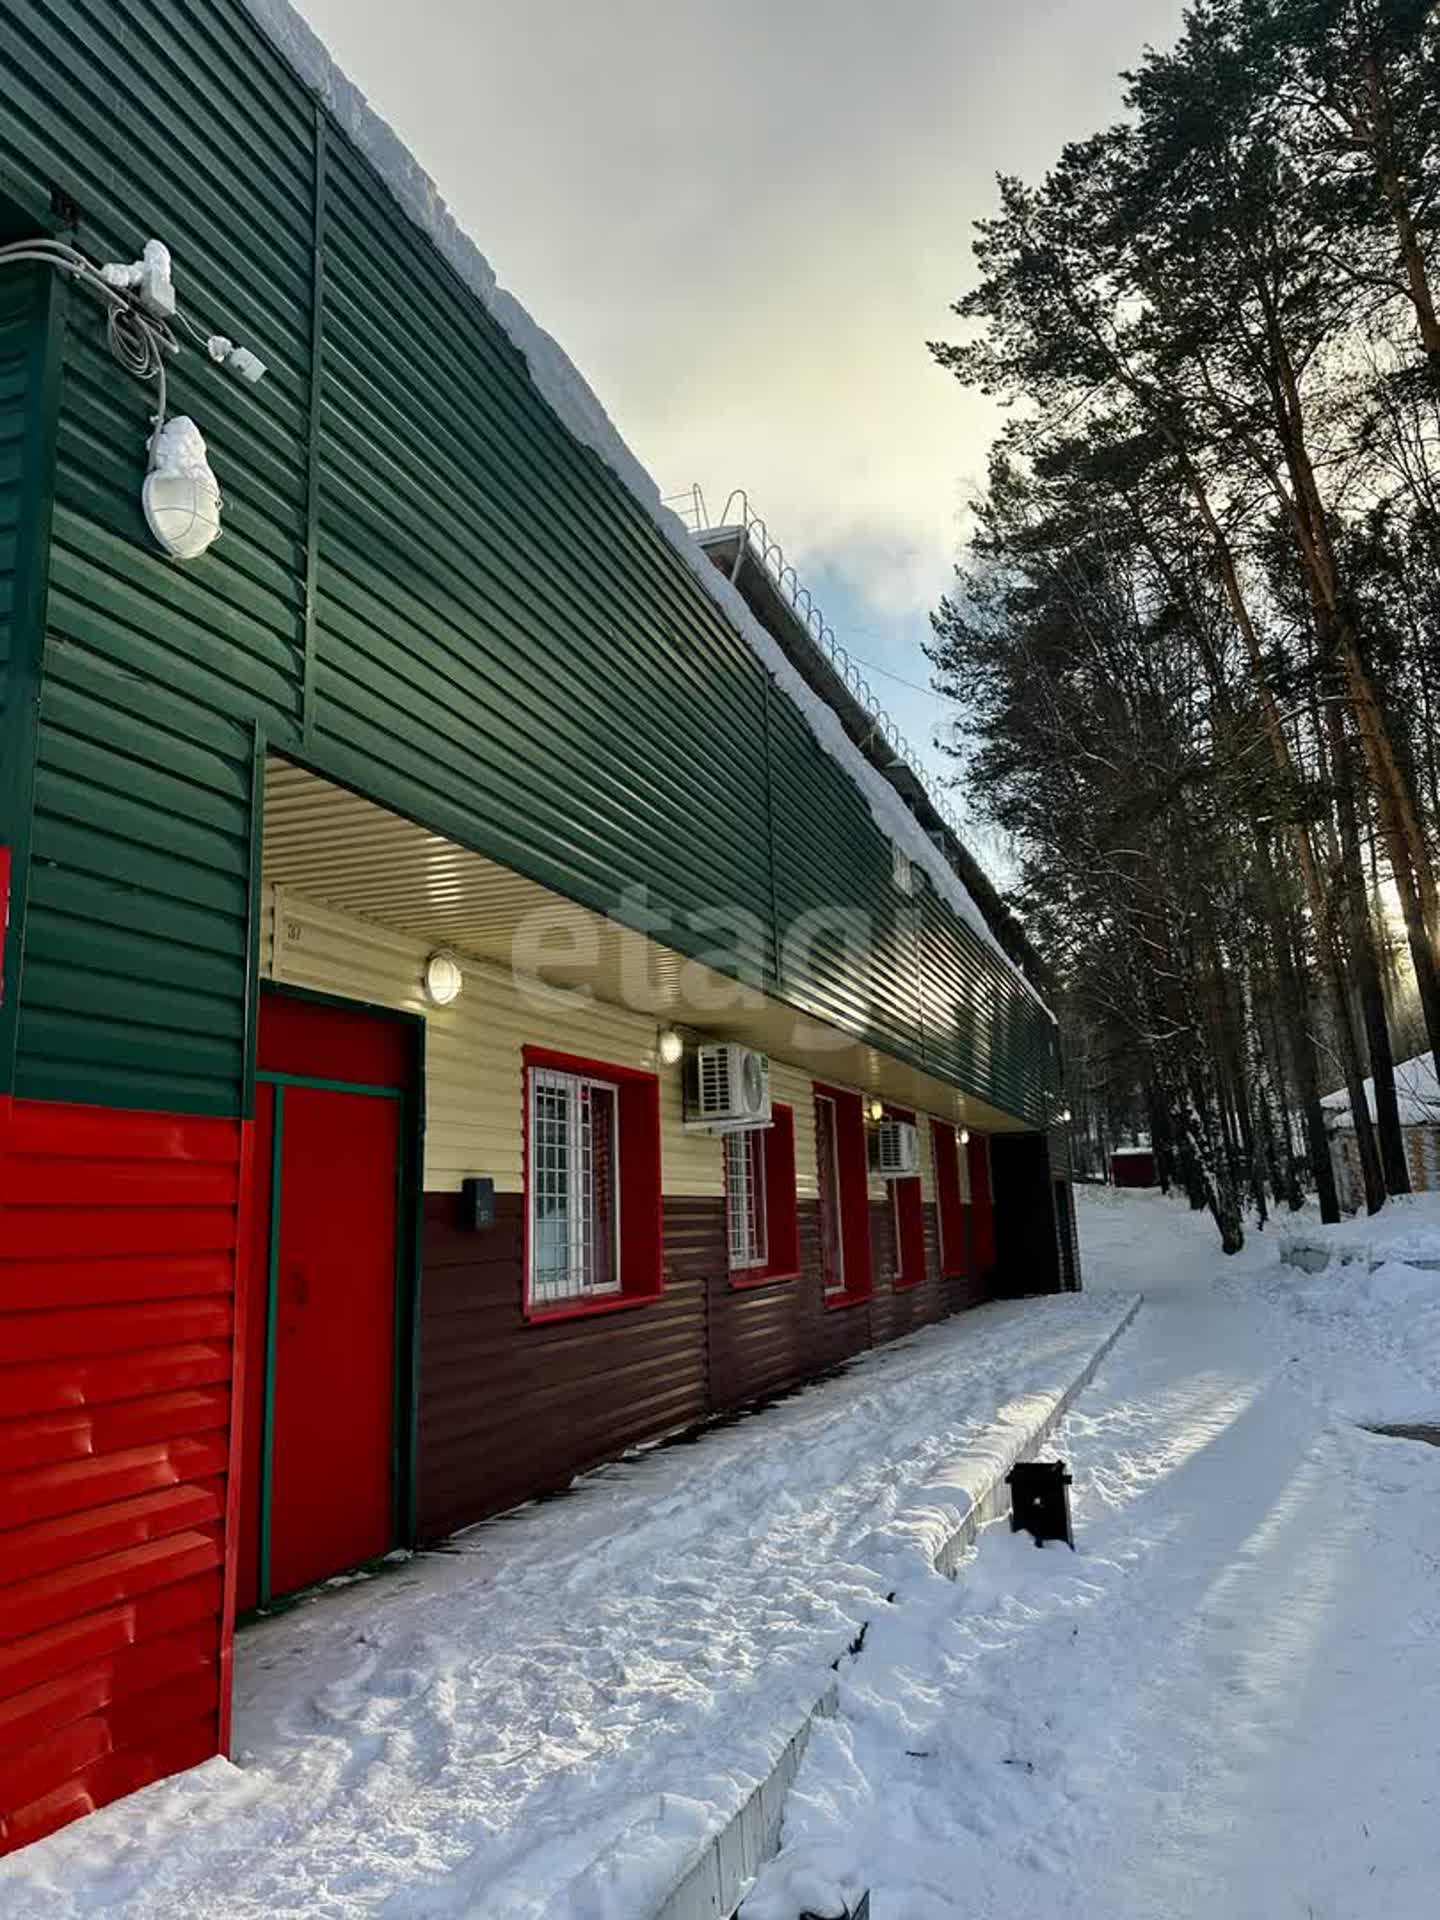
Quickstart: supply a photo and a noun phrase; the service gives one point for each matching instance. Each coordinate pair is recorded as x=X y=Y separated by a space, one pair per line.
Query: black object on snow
x=1040 y=1501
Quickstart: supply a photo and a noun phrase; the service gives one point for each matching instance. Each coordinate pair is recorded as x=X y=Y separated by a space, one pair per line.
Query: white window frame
x=562 y=1170
x=835 y=1285
x=747 y=1201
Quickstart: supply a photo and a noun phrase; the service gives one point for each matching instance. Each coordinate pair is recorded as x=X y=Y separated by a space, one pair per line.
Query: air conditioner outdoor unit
x=727 y=1089
x=895 y=1150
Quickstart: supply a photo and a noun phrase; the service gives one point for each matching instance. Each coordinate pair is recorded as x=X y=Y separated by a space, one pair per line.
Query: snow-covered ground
x=550 y=1718
x=1370 y=1290
x=1227 y=1704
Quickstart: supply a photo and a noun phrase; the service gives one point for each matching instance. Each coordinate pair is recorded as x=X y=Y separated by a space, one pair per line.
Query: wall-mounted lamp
x=443 y=979
x=964 y=1136
x=875 y=1108
x=1064 y=1116
x=669 y=1046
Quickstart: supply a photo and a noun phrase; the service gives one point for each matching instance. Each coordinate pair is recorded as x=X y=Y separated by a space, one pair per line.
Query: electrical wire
x=138 y=340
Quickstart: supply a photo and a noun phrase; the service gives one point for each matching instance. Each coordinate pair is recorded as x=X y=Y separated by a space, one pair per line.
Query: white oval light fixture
x=670 y=1046
x=183 y=513
x=180 y=495
x=443 y=979
x=875 y=1107
x=964 y=1136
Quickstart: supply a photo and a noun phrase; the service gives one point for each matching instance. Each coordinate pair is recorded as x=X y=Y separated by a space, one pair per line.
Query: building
x=304 y=1254
x=1418 y=1096
x=1133 y=1166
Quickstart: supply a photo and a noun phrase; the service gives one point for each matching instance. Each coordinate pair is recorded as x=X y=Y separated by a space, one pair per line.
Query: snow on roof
x=569 y=396
x=1415 y=1087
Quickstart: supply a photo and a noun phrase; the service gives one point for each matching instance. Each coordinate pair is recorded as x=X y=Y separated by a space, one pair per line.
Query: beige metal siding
x=794 y=1088
x=927 y=1160
x=474 y=1090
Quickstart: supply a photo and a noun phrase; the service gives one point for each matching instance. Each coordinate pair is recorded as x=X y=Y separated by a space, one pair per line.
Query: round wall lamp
x=875 y=1108
x=670 y=1046
x=964 y=1136
x=443 y=979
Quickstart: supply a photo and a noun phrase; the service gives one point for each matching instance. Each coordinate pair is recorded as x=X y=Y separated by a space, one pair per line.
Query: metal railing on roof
x=691 y=508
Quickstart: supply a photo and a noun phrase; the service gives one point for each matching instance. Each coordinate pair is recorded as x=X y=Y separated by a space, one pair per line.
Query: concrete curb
x=718 y=1881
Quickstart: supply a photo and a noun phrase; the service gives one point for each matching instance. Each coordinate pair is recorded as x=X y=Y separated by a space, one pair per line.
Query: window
x=952 y=1195
x=827 y=1171
x=907 y=1211
x=592 y=1168
x=761 y=1210
x=745 y=1207
x=843 y=1180
x=575 y=1189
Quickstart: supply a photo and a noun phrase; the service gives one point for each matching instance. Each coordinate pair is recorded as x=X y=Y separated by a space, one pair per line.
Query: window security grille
x=745 y=1199
x=574 y=1187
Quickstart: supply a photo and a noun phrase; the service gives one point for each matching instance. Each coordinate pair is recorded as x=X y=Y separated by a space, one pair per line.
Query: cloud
x=743 y=224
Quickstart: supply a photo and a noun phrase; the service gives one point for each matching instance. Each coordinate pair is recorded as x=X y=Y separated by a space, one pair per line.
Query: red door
x=319 y=1489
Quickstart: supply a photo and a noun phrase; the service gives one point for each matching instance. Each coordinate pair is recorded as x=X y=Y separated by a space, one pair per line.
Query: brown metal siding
x=509 y=1410
x=763 y=1339
x=896 y=1311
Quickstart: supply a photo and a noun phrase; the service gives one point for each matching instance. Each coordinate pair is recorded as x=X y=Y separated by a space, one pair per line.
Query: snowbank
x=1224 y=1705
x=1416 y=1091
x=1406 y=1228
x=574 y=402
x=549 y=1718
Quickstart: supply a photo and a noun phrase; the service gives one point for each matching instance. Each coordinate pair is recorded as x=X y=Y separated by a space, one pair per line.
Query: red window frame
x=852 y=1167
x=781 y=1207
x=950 y=1201
x=907 y=1213
x=641 y=1246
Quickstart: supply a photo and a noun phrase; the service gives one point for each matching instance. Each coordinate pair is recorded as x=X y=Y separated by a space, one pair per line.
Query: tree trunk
x=1360 y=943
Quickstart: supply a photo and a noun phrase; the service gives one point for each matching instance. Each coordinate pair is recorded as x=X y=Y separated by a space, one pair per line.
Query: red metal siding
x=117 y=1278
x=508 y=1409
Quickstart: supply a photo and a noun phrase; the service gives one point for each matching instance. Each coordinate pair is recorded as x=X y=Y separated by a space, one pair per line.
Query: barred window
x=746 y=1209
x=574 y=1187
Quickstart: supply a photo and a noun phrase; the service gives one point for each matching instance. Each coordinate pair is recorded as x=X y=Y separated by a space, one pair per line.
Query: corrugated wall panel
x=117 y=1264
x=503 y=646
x=796 y=1089
x=473 y=1053
x=18 y=316
x=509 y=1410
x=612 y=738
x=136 y=939
x=847 y=952
x=763 y=1339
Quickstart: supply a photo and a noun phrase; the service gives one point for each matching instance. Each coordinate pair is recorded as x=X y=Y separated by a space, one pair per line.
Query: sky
x=744 y=223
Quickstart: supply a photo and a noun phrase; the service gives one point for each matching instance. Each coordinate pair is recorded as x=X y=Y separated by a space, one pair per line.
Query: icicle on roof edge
x=570 y=397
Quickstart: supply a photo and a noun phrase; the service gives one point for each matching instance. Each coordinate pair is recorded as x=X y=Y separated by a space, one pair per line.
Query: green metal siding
x=503 y=633
x=30 y=304
x=425 y=589
x=136 y=943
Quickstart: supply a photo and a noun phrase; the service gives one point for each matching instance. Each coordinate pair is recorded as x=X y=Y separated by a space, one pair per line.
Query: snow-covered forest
x=1197 y=634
